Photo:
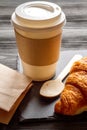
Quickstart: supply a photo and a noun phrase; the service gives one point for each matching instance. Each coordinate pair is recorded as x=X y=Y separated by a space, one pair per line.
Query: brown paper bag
x=13 y=87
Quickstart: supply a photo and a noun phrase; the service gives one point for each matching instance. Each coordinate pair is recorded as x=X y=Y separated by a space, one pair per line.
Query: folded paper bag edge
x=5 y=117
x=8 y=93
x=14 y=80
x=25 y=91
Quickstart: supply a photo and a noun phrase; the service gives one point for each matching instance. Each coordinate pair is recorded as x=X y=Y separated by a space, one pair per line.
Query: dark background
x=74 y=38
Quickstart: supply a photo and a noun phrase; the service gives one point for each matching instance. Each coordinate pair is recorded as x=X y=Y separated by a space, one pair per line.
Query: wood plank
x=71 y=38
x=74 y=38
x=6 y=25
x=9 y=60
x=6 y=35
x=74 y=11
x=50 y=126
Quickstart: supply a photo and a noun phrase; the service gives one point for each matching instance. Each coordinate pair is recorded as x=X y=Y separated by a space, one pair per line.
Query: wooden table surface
x=74 y=38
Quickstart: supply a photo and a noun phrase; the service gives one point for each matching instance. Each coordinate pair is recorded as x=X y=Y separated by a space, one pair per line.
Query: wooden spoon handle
x=67 y=68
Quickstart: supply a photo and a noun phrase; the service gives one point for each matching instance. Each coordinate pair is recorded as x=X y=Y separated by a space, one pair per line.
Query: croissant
x=73 y=99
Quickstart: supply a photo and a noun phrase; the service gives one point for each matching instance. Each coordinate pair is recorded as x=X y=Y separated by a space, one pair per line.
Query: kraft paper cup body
x=38 y=29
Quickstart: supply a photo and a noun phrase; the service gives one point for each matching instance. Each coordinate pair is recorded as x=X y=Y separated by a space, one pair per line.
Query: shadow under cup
x=38 y=45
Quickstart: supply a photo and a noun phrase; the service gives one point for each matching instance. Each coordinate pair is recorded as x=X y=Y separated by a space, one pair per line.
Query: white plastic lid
x=38 y=14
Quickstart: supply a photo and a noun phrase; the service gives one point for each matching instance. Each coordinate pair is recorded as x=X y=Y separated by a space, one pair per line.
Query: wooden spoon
x=53 y=88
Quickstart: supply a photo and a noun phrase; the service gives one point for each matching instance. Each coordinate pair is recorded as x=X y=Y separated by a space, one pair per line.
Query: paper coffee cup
x=38 y=29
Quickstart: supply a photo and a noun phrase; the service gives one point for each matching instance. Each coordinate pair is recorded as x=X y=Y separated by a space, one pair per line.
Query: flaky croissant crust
x=73 y=99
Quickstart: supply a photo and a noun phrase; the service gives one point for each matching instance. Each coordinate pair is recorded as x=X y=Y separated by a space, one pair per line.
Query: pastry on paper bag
x=13 y=87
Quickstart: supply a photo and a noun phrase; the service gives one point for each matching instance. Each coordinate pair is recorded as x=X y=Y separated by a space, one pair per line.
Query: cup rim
x=57 y=20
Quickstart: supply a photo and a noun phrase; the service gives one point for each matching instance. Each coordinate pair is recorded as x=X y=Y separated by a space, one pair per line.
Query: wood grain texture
x=74 y=37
